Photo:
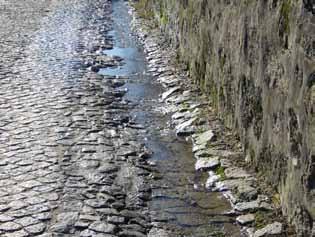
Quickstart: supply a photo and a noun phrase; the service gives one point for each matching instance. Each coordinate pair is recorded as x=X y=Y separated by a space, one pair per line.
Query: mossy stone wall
x=255 y=60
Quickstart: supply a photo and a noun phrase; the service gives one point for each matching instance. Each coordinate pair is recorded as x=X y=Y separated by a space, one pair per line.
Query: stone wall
x=255 y=60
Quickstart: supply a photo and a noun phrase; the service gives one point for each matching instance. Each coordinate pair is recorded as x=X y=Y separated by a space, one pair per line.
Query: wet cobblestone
x=69 y=165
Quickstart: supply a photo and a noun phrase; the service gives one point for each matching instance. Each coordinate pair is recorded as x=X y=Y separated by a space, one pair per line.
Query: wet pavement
x=84 y=151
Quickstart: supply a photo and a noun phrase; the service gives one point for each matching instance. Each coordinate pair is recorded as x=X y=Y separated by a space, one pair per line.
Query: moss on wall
x=255 y=61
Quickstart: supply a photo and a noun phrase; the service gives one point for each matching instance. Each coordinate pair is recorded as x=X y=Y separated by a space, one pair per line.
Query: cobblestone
x=66 y=140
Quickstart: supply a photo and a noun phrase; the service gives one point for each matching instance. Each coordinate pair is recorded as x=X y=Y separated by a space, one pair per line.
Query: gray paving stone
x=20 y=233
x=103 y=227
x=27 y=221
x=274 y=229
x=10 y=226
x=36 y=229
x=5 y=218
x=245 y=219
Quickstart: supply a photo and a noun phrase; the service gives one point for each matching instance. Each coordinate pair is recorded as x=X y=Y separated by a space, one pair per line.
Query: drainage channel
x=179 y=202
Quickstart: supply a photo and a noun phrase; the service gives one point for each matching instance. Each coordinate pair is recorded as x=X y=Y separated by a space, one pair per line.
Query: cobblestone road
x=69 y=164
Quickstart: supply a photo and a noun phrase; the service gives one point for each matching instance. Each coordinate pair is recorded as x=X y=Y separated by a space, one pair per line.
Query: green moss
x=261 y=219
x=220 y=171
x=185 y=106
x=164 y=20
x=200 y=129
x=285 y=15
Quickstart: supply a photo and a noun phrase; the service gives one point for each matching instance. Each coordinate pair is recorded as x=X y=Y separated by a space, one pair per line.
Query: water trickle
x=179 y=201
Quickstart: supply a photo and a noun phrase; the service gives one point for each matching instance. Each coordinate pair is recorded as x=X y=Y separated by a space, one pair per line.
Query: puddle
x=179 y=201
x=132 y=62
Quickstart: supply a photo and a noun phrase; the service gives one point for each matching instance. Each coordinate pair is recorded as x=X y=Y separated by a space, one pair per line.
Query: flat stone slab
x=275 y=229
x=198 y=148
x=246 y=219
x=236 y=173
x=247 y=206
x=36 y=229
x=170 y=92
x=216 y=152
x=132 y=233
x=207 y=163
x=246 y=192
x=10 y=226
x=231 y=184
x=102 y=227
x=180 y=115
x=186 y=128
x=205 y=137
x=169 y=81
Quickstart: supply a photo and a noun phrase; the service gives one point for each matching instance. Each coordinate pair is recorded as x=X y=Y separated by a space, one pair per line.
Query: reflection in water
x=132 y=62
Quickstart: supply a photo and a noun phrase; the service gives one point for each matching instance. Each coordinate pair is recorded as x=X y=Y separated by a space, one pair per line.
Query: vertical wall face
x=256 y=62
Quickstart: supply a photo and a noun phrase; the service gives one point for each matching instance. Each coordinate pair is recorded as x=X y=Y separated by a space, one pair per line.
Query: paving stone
x=231 y=184
x=81 y=225
x=236 y=173
x=5 y=218
x=116 y=220
x=89 y=218
x=97 y=203
x=186 y=128
x=88 y=233
x=245 y=219
x=103 y=227
x=10 y=226
x=27 y=221
x=65 y=222
x=170 y=92
x=36 y=229
x=274 y=229
x=216 y=152
x=89 y=164
x=4 y=208
x=132 y=233
x=20 y=233
x=205 y=138
x=31 y=184
x=44 y=216
x=207 y=163
x=108 y=168
x=246 y=192
x=247 y=206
